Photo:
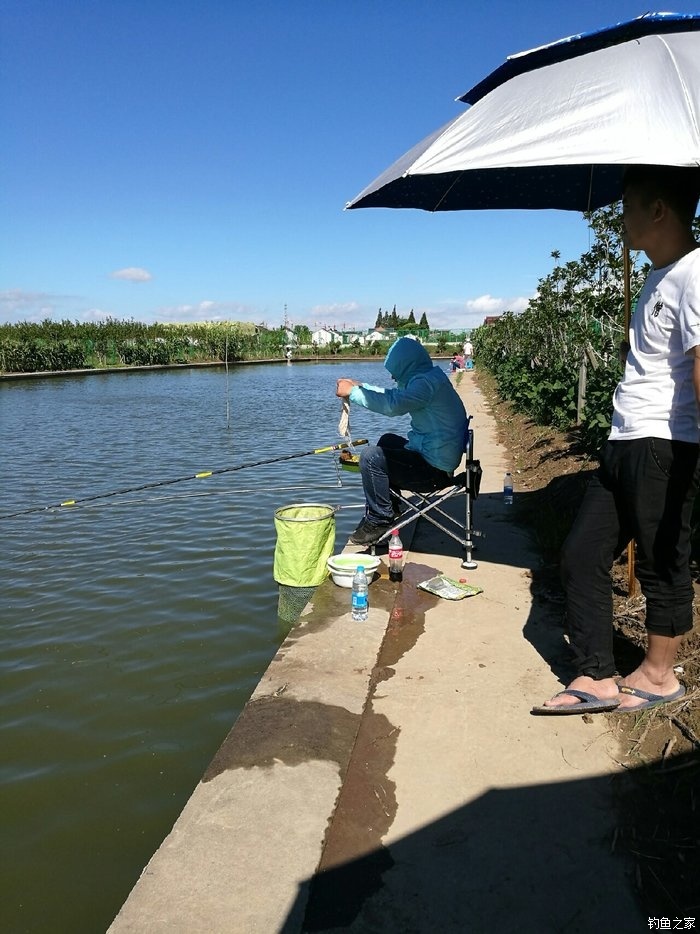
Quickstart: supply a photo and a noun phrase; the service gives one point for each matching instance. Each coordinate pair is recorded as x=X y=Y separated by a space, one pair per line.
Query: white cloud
x=208 y=310
x=132 y=274
x=470 y=313
x=489 y=305
x=20 y=305
x=452 y=314
x=338 y=315
x=93 y=314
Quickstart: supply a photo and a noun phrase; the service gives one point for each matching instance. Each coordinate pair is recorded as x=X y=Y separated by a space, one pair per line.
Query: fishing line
x=228 y=403
x=198 y=476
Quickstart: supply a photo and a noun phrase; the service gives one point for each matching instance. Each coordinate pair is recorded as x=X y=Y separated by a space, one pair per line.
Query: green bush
x=577 y=316
x=34 y=355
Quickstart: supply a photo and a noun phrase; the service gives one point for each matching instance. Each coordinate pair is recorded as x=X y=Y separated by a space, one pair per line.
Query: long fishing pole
x=197 y=476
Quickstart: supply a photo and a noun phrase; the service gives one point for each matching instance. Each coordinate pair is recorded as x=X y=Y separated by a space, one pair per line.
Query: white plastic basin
x=343 y=567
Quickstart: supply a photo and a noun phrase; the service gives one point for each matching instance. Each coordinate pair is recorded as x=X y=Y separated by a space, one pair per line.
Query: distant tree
x=423 y=323
x=411 y=318
x=394 y=320
x=303 y=333
x=378 y=322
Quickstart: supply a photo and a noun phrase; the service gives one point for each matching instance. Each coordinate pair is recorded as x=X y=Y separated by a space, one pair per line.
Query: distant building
x=492 y=319
x=350 y=337
x=323 y=337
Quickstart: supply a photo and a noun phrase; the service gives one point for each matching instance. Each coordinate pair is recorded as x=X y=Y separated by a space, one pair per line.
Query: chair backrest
x=466 y=440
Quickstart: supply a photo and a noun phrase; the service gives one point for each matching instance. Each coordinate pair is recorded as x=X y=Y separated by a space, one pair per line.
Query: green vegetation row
x=67 y=345
x=576 y=319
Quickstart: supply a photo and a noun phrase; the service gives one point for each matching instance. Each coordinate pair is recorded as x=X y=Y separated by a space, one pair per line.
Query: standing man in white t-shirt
x=648 y=476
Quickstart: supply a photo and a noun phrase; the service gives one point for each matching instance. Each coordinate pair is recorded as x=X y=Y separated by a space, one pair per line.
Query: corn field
x=66 y=345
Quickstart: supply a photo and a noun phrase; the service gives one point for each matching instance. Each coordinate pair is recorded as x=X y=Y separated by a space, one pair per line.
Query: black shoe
x=368 y=532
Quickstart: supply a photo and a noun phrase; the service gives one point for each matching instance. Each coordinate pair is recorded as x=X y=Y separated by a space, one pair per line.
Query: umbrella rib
x=447 y=191
x=590 y=187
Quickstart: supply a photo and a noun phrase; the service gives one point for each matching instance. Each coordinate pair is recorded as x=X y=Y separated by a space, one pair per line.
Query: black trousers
x=643 y=490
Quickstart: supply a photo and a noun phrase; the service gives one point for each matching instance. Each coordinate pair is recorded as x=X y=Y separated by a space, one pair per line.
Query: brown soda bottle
x=395 y=557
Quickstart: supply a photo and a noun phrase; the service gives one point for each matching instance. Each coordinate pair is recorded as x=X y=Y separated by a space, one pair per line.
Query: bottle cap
x=360 y=567
x=394 y=531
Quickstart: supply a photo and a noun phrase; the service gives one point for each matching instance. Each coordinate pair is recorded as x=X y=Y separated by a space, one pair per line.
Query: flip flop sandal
x=650 y=700
x=589 y=704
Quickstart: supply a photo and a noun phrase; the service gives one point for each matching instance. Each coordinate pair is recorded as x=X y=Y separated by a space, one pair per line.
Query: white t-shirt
x=656 y=397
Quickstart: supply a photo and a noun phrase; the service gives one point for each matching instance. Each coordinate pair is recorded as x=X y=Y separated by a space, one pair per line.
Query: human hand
x=344 y=387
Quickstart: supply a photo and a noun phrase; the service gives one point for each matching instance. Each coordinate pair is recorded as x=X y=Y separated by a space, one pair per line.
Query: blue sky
x=165 y=160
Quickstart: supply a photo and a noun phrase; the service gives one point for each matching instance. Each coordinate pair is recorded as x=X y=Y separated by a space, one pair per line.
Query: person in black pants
x=648 y=476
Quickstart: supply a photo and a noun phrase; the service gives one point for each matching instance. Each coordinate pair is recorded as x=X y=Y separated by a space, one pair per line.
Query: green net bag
x=305 y=542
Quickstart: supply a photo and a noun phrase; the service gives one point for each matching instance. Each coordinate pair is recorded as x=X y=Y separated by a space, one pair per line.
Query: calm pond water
x=135 y=628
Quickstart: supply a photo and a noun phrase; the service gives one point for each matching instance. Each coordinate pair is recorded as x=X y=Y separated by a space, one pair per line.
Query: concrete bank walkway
x=387 y=776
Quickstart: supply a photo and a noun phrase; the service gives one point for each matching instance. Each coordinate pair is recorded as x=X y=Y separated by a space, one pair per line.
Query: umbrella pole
x=627 y=276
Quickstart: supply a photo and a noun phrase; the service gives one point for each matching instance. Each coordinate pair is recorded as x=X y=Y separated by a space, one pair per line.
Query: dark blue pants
x=388 y=465
x=643 y=490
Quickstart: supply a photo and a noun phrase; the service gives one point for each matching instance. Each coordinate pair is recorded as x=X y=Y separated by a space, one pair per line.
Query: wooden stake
x=627 y=276
x=631 y=577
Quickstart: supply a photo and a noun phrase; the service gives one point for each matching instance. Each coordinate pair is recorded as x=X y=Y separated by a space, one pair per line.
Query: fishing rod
x=197 y=476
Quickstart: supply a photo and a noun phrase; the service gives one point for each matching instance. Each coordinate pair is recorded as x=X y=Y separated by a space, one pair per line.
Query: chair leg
x=469 y=563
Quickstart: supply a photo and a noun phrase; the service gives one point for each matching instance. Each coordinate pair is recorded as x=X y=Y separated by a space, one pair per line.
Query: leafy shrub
x=576 y=316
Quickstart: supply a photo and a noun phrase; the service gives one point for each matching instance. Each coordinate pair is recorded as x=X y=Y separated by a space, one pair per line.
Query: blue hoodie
x=438 y=416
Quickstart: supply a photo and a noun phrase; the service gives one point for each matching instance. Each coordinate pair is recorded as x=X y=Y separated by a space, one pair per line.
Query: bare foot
x=606 y=689
x=653 y=682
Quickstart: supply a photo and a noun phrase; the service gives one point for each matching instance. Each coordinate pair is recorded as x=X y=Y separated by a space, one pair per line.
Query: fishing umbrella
x=554 y=127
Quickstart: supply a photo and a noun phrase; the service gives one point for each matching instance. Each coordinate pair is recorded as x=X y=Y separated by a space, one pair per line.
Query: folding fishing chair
x=423 y=503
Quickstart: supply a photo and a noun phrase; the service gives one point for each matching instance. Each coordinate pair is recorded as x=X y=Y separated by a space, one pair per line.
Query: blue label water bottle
x=360 y=595
x=508 y=489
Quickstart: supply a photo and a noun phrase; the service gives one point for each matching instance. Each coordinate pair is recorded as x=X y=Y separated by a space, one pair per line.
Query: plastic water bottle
x=508 y=489
x=395 y=557
x=360 y=595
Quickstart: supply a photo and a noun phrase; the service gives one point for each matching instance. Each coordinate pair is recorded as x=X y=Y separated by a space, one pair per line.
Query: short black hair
x=678 y=186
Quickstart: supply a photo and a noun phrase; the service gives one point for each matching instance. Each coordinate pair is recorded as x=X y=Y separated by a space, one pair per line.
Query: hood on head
x=406 y=358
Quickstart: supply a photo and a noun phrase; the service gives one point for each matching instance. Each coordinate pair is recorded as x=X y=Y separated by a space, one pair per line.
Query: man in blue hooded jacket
x=425 y=460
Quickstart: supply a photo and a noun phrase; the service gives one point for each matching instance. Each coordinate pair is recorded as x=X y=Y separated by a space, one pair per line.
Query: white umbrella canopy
x=555 y=127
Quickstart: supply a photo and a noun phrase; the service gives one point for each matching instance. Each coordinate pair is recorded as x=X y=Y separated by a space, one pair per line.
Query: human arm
x=394 y=402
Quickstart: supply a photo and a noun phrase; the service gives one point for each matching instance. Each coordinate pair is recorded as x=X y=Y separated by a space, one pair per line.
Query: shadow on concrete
x=511 y=861
x=529 y=535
